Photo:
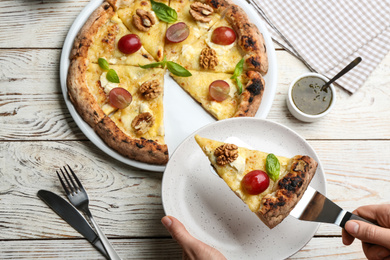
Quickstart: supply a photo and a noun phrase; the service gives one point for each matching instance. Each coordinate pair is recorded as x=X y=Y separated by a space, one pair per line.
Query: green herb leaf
x=239 y=85
x=238 y=69
x=103 y=64
x=153 y=65
x=177 y=69
x=272 y=166
x=164 y=12
x=112 y=76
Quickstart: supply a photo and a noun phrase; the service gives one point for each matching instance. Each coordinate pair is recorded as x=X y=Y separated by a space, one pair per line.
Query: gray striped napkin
x=328 y=34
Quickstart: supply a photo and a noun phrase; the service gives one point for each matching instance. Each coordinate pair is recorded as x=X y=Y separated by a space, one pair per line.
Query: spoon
x=341 y=73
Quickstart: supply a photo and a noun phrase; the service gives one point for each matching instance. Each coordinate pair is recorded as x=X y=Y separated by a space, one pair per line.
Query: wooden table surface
x=38 y=135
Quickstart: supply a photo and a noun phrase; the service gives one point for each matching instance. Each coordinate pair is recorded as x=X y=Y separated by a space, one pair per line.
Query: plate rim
x=322 y=189
x=91 y=134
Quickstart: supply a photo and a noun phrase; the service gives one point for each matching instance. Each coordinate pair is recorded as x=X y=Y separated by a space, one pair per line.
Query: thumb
x=369 y=233
x=178 y=231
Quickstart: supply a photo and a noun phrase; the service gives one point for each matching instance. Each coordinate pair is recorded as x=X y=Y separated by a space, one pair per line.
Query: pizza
x=124 y=49
x=269 y=185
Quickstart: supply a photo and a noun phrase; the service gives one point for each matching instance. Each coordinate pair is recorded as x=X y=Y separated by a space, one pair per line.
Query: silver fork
x=79 y=198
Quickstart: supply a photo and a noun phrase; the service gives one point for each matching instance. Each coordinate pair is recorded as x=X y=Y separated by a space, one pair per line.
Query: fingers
x=192 y=247
x=376 y=213
x=178 y=231
x=369 y=233
x=347 y=238
x=374 y=252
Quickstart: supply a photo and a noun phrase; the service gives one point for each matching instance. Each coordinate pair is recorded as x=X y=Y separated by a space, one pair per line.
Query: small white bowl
x=296 y=112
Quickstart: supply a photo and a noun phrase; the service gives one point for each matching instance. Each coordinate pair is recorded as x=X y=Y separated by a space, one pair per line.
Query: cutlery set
x=78 y=197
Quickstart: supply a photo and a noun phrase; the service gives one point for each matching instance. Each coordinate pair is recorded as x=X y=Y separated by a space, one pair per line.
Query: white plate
x=182 y=115
x=214 y=214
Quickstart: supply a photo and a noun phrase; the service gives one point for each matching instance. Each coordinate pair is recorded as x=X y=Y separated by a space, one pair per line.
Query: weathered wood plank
x=30 y=96
x=318 y=247
x=127 y=201
x=36 y=24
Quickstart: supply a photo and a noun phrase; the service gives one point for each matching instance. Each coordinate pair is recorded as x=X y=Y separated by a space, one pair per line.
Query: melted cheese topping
x=234 y=172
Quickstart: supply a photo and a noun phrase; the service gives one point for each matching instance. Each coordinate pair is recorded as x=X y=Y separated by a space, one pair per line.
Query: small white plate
x=214 y=214
x=182 y=115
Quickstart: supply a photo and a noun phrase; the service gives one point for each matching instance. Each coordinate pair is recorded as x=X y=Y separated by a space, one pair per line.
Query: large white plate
x=214 y=214
x=182 y=115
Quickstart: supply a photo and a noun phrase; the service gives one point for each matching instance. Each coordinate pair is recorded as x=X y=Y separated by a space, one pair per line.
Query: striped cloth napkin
x=326 y=35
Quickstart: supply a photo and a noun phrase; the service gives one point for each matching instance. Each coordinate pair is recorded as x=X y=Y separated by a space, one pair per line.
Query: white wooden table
x=38 y=135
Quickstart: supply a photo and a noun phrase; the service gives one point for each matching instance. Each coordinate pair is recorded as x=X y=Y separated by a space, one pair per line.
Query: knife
x=71 y=215
x=315 y=207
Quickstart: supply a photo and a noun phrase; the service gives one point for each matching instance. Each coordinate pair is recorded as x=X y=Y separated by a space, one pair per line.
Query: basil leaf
x=272 y=166
x=103 y=64
x=152 y=65
x=239 y=85
x=238 y=69
x=112 y=76
x=164 y=12
x=177 y=69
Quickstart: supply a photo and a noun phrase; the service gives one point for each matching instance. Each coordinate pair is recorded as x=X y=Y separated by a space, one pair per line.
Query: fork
x=79 y=198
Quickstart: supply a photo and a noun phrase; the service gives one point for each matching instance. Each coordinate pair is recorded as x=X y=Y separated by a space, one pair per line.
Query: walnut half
x=151 y=89
x=208 y=58
x=142 y=123
x=143 y=20
x=226 y=153
x=201 y=12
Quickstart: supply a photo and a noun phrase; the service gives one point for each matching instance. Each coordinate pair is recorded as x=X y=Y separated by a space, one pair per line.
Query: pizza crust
x=250 y=98
x=277 y=206
x=85 y=36
x=250 y=40
x=140 y=149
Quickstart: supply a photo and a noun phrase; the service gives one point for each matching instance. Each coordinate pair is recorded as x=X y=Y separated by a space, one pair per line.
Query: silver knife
x=315 y=207
x=71 y=215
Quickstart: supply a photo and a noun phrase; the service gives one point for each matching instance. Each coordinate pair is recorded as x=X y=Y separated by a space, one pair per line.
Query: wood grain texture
x=318 y=248
x=37 y=23
x=31 y=97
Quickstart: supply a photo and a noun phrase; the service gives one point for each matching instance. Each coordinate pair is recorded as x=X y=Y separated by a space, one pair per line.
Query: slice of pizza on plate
x=141 y=20
x=126 y=113
x=221 y=96
x=100 y=36
x=270 y=185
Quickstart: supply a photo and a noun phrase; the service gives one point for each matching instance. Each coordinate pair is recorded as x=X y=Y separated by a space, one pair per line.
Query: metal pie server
x=315 y=207
x=72 y=216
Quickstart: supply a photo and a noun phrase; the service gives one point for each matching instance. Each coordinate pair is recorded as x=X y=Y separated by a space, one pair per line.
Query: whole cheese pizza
x=122 y=52
x=270 y=185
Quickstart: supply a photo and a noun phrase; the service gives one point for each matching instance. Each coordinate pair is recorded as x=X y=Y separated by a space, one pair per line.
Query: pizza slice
x=270 y=185
x=220 y=95
x=198 y=18
x=127 y=115
x=99 y=38
x=140 y=19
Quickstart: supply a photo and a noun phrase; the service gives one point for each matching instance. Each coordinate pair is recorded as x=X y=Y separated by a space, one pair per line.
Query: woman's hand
x=375 y=239
x=192 y=247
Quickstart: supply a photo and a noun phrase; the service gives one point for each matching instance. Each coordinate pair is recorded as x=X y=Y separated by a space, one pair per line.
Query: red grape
x=129 y=44
x=120 y=98
x=223 y=36
x=255 y=182
x=177 y=32
x=219 y=90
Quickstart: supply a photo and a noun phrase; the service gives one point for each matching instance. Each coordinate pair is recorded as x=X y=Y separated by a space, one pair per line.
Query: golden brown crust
x=85 y=36
x=141 y=149
x=250 y=98
x=81 y=97
x=250 y=40
x=276 y=206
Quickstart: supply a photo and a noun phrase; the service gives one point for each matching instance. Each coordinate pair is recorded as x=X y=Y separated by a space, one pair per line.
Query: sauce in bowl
x=308 y=96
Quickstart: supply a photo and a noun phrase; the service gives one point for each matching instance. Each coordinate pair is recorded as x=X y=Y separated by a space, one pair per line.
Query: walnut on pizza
x=270 y=185
x=120 y=56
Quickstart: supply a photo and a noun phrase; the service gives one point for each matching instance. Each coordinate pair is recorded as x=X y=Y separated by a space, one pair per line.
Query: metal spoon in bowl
x=342 y=72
